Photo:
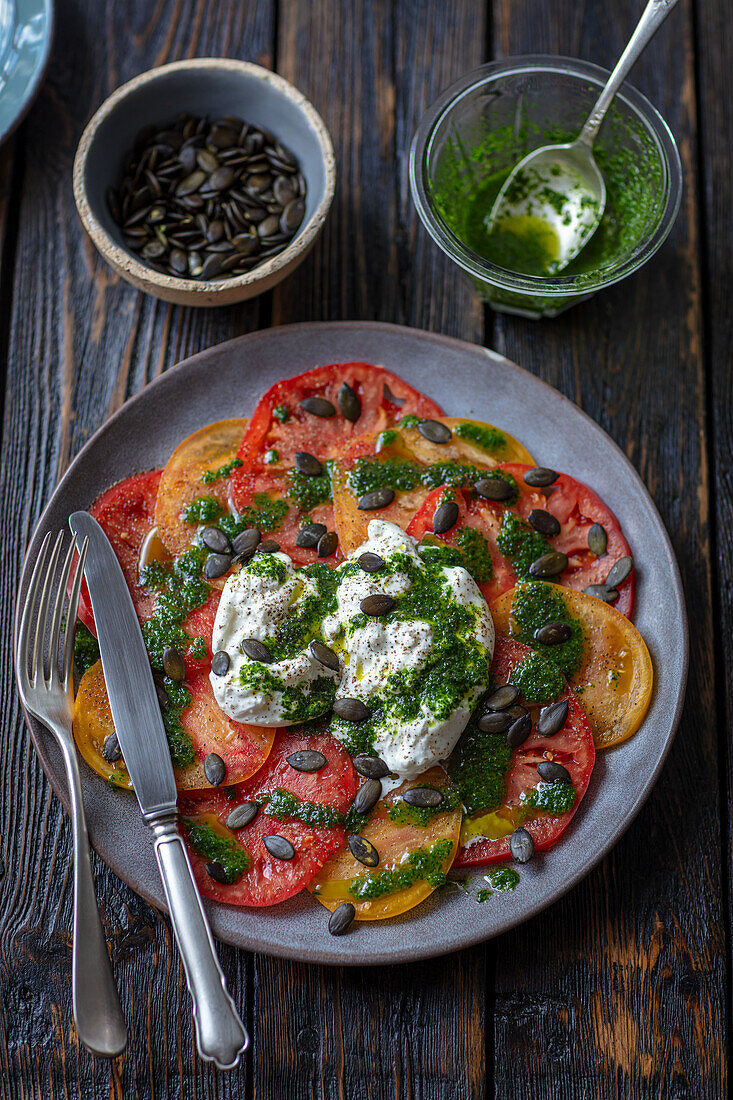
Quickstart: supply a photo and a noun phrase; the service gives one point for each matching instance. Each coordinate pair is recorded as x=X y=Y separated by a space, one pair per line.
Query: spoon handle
x=654 y=15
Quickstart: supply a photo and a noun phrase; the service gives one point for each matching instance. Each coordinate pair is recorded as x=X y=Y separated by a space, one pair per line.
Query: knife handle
x=220 y=1034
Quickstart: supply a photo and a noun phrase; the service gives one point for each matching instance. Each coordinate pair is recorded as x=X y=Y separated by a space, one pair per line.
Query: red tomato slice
x=126 y=514
x=572 y=747
x=574 y=505
x=384 y=399
x=270 y=880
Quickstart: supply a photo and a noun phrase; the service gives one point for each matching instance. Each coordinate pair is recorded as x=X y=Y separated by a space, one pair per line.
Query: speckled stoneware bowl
x=215 y=87
x=469 y=381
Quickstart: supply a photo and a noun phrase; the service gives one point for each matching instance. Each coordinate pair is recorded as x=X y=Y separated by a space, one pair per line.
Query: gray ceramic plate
x=467 y=380
x=26 y=28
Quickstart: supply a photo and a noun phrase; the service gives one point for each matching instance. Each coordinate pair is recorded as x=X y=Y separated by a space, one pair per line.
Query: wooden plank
x=80 y=341
x=714 y=39
x=619 y=989
x=407 y=1031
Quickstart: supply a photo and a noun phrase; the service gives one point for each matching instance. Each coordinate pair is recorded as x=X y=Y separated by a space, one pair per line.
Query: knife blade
x=127 y=673
x=221 y=1037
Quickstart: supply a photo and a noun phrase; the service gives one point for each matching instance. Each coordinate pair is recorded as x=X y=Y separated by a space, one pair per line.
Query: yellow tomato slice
x=207 y=449
x=614 y=682
x=472 y=442
x=395 y=841
x=243 y=749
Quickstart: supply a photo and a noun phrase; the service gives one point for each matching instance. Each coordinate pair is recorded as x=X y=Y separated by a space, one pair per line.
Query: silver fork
x=44 y=666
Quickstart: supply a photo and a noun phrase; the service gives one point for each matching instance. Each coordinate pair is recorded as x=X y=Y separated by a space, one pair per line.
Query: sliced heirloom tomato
x=126 y=514
x=204 y=453
x=243 y=749
x=267 y=880
x=280 y=428
x=615 y=676
x=572 y=747
x=400 y=845
x=575 y=507
x=404 y=461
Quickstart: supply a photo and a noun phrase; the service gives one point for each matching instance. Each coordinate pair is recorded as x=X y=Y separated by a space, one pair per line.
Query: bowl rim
x=126 y=262
x=557 y=285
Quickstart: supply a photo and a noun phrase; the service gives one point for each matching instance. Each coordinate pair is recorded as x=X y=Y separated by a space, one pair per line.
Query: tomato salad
x=385 y=642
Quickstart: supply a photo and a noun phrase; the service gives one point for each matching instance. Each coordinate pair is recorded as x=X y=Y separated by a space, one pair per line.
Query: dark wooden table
x=623 y=988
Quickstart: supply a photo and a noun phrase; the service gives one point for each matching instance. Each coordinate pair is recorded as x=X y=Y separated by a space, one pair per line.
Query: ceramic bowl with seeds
x=204 y=182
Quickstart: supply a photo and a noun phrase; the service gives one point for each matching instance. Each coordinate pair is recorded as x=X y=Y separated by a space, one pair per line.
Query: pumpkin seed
x=173 y=664
x=539 y=477
x=544 y=522
x=494 y=488
x=554 y=633
x=619 y=572
x=348 y=402
x=551 y=564
x=602 y=592
x=241 y=815
x=521 y=845
x=494 y=721
x=519 y=731
x=220 y=663
x=215 y=540
x=216 y=565
x=551 y=771
x=318 y=406
x=256 y=651
x=446 y=516
x=363 y=851
x=324 y=655
x=308 y=464
x=371 y=563
x=367 y=796
x=218 y=872
x=307 y=760
x=597 y=540
x=328 y=544
x=353 y=710
x=553 y=718
x=279 y=846
x=378 y=604
x=434 y=431
x=341 y=919
x=246 y=540
x=268 y=546
x=503 y=697
x=378 y=498
x=371 y=767
x=215 y=769
x=309 y=536
x=423 y=797
x=111 y=750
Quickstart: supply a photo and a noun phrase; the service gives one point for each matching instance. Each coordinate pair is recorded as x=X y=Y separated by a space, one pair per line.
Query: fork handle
x=220 y=1034
x=97 y=1012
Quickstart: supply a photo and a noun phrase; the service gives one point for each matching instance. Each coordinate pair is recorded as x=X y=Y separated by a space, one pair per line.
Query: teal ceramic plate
x=26 y=28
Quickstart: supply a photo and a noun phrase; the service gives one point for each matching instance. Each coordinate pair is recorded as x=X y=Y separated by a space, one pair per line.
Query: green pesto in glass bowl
x=468 y=143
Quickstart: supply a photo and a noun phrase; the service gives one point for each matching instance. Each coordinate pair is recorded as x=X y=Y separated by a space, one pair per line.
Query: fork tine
x=68 y=657
x=53 y=645
x=25 y=642
x=37 y=662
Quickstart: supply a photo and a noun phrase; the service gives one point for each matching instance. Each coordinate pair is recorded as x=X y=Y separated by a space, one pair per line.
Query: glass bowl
x=471 y=137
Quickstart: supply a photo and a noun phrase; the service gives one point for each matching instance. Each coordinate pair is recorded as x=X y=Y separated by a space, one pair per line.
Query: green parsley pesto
x=86 y=648
x=295 y=631
x=539 y=680
x=281 y=413
x=554 y=798
x=484 y=436
x=402 y=813
x=208 y=477
x=503 y=878
x=216 y=848
x=484 y=895
x=402 y=475
x=479 y=767
x=283 y=805
x=537 y=603
x=299 y=703
x=520 y=543
x=307 y=491
x=265 y=512
x=476 y=554
x=422 y=864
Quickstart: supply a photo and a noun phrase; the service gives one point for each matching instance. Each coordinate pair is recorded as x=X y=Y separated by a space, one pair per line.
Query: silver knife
x=220 y=1034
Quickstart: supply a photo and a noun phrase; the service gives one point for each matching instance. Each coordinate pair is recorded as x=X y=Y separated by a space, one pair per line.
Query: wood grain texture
x=80 y=342
x=619 y=990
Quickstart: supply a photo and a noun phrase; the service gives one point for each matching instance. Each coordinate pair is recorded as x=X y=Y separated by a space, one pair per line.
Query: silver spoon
x=557 y=192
